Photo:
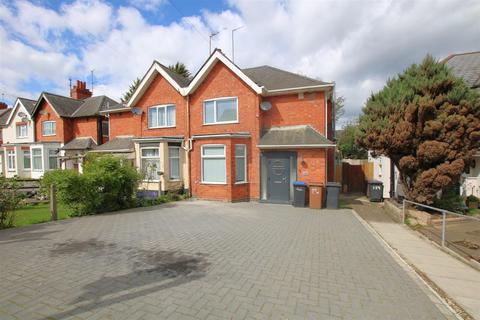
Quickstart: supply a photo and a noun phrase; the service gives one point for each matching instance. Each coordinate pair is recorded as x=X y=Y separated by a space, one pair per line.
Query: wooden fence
x=354 y=177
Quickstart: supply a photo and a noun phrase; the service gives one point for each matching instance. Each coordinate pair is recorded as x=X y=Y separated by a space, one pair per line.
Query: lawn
x=31 y=214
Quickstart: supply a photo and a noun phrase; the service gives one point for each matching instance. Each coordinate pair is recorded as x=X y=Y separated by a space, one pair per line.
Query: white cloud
x=147 y=5
x=356 y=44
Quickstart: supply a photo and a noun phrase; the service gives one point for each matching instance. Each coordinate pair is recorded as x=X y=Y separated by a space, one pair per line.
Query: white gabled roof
x=14 y=111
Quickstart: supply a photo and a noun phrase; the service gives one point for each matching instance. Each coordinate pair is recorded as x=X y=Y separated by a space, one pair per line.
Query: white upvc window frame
x=54 y=128
x=245 y=163
x=170 y=158
x=202 y=157
x=19 y=131
x=29 y=159
x=165 y=107
x=215 y=111
x=145 y=179
x=11 y=159
x=32 y=158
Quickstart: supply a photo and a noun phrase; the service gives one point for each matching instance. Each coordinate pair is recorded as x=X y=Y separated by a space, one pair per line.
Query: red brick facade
x=63 y=126
x=221 y=82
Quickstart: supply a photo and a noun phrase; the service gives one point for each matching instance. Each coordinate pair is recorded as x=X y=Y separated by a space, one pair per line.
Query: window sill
x=214 y=183
x=174 y=180
x=219 y=123
x=241 y=182
x=49 y=135
x=165 y=127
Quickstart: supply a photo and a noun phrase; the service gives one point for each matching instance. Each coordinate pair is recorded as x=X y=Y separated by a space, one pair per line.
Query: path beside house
x=458 y=280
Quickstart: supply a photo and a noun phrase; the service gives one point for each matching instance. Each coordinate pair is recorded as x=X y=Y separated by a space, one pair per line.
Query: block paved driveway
x=206 y=260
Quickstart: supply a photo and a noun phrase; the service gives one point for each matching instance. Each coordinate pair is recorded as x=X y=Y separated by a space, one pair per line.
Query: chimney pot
x=80 y=91
x=3 y=105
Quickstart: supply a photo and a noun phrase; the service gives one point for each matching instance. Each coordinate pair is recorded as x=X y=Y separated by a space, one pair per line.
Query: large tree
x=347 y=144
x=126 y=96
x=428 y=122
x=181 y=69
x=339 y=108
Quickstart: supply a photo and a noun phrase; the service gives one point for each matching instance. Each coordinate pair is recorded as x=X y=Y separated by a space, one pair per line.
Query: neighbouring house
x=467 y=66
x=18 y=135
x=4 y=114
x=227 y=134
x=66 y=128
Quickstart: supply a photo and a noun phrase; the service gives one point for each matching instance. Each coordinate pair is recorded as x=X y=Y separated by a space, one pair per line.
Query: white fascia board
x=296 y=146
x=14 y=109
x=148 y=78
x=322 y=87
x=218 y=56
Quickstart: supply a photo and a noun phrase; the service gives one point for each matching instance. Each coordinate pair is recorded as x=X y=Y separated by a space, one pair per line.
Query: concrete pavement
x=457 y=279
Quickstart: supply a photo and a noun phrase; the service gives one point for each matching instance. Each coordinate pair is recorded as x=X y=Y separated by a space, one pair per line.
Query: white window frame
x=245 y=165
x=54 y=128
x=215 y=122
x=50 y=157
x=141 y=163
x=224 y=156
x=32 y=158
x=170 y=166
x=11 y=159
x=19 y=131
x=162 y=106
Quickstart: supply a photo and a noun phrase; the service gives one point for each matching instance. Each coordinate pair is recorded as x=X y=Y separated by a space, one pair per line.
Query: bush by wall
x=107 y=184
x=9 y=201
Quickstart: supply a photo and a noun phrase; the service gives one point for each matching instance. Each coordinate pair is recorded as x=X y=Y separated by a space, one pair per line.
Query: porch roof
x=118 y=144
x=80 y=144
x=302 y=136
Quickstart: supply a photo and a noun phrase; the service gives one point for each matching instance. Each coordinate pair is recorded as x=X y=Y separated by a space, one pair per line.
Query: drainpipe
x=188 y=147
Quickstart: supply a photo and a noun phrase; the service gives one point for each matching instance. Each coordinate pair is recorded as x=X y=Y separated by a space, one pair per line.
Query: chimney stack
x=3 y=105
x=80 y=91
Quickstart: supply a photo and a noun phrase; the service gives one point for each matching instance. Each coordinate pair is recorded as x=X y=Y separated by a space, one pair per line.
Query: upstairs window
x=105 y=128
x=222 y=110
x=161 y=116
x=22 y=130
x=49 y=128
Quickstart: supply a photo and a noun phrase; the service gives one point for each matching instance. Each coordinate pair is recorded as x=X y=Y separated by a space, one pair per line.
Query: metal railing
x=442 y=211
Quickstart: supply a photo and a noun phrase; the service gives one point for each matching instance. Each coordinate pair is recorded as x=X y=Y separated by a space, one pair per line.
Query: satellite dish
x=265 y=106
x=137 y=111
x=22 y=115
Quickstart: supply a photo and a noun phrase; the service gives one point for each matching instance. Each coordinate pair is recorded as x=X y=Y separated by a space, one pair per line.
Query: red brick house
x=228 y=134
x=66 y=128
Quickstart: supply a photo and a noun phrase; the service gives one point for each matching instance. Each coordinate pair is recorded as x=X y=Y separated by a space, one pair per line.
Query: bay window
x=11 y=160
x=52 y=159
x=150 y=163
x=240 y=163
x=26 y=160
x=161 y=116
x=174 y=163
x=222 y=110
x=37 y=159
x=214 y=169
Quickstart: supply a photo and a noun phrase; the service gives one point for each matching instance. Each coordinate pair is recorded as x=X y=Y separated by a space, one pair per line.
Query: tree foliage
x=427 y=122
x=347 y=144
x=339 y=108
x=9 y=201
x=108 y=183
x=126 y=96
x=181 y=69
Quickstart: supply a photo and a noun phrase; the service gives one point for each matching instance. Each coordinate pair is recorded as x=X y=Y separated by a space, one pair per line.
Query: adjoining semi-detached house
x=66 y=128
x=228 y=134
x=18 y=134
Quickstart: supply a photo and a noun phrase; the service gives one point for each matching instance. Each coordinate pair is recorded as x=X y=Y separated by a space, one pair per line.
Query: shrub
x=450 y=200
x=472 y=198
x=107 y=184
x=9 y=201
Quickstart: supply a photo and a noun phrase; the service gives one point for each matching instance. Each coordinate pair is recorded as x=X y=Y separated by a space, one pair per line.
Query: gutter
x=321 y=87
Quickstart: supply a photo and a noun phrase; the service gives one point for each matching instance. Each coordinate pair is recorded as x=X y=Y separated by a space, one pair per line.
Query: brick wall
x=61 y=125
x=161 y=92
x=125 y=124
x=289 y=110
x=86 y=127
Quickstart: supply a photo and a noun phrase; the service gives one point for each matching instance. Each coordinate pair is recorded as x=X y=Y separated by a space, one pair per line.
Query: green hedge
x=108 y=183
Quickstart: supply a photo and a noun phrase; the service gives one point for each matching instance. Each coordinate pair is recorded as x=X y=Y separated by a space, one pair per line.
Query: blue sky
x=357 y=44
